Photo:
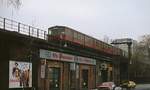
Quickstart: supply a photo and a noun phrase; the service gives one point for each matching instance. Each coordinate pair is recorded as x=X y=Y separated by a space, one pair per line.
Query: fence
x=11 y=25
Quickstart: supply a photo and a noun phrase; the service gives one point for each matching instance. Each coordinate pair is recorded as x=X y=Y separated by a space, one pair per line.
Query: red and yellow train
x=71 y=35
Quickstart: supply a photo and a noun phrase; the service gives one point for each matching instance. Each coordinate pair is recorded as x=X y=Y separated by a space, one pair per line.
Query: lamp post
x=129 y=52
x=129 y=57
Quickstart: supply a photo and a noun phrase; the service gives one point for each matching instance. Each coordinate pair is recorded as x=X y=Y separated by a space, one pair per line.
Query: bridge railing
x=11 y=25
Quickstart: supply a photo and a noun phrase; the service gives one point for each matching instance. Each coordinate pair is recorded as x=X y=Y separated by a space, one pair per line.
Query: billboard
x=20 y=74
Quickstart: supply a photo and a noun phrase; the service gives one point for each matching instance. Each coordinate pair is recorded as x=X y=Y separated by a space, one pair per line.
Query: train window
x=82 y=37
x=86 y=39
x=79 y=36
x=68 y=32
x=49 y=32
x=75 y=35
x=97 y=43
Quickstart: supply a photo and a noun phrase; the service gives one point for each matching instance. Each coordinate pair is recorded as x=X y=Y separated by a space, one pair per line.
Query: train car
x=114 y=50
x=101 y=46
x=119 y=51
x=60 y=33
x=98 y=45
x=78 y=38
x=89 y=41
x=56 y=33
x=110 y=49
x=68 y=34
x=105 y=47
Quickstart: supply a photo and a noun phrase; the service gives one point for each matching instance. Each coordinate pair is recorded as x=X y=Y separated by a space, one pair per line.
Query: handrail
x=11 y=25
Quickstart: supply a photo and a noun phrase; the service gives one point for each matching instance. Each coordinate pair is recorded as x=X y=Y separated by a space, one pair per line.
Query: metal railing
x=11 y=25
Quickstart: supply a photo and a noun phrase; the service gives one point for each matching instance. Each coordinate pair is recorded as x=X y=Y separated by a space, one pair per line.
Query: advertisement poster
x=20 y=74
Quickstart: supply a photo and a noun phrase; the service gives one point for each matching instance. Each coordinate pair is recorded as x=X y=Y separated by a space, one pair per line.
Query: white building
x=121 y=43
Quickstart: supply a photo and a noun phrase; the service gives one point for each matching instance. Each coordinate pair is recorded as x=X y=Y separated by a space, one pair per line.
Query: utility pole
x=129 y=56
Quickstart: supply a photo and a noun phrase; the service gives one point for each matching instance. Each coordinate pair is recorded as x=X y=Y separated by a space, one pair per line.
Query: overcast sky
x=97 y=18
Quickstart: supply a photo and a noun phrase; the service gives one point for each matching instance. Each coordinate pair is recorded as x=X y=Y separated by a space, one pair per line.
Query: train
x=76 y=37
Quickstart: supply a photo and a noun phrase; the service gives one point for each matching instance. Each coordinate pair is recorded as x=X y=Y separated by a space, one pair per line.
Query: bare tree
x=15 y=3
x=145 y=42
x=141 y=58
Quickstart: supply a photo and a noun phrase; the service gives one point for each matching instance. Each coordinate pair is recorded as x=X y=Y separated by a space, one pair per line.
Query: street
x=142 y=87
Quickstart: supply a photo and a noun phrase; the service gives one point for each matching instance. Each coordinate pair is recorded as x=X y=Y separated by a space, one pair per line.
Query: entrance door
x=85 y=79
x=104 y=75
x=54 y=78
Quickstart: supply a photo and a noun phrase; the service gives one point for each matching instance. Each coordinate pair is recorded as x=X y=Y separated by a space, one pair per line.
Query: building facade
x=60 y=71
x=31 y=63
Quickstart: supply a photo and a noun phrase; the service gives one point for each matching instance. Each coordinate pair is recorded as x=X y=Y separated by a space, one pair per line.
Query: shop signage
x=45 y=54
x=67 y=57
x=20 y=74
x=86 y=60
x=49 y=54
x=55 y=55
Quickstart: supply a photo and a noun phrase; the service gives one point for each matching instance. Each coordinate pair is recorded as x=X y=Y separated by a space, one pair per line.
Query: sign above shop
x=45 y=54
x=49 y=55
x=55 y=55
x=65 y=57
x=85 y=60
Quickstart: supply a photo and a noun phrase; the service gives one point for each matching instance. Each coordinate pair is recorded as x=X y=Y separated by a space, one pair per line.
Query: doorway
x=54 y=78
x=85 y=79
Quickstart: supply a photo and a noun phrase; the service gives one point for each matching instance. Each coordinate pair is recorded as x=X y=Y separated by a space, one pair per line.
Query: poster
x=20 y=74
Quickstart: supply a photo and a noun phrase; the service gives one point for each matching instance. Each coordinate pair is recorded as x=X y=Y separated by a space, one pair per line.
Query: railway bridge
x=32 y=59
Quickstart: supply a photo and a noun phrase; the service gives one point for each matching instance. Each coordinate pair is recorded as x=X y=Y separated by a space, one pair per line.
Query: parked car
x=128 y=84
x=106 y=86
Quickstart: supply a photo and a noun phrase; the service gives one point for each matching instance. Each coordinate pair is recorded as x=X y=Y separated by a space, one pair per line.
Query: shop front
x=60 y=71
x=104 y=72
x=87 y=73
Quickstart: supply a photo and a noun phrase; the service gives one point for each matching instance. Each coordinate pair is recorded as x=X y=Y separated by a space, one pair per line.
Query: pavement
x=142 y=87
